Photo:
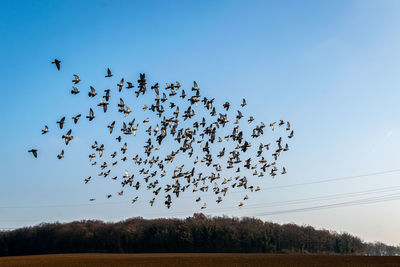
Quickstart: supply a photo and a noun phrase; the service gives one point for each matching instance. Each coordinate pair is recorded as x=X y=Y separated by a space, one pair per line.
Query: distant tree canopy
x=193 y=234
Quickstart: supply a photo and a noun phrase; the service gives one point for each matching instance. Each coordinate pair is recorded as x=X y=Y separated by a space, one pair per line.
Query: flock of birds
x=197 y=140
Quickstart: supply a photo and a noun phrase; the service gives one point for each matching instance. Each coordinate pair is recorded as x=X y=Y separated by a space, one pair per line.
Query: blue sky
x=329 y=67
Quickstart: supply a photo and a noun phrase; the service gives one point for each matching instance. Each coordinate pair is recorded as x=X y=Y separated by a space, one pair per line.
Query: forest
x=198 y=233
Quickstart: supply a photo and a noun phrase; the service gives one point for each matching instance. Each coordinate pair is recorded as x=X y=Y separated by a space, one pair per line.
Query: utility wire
x=253 y=208
x=241 y=191
x=374 y=200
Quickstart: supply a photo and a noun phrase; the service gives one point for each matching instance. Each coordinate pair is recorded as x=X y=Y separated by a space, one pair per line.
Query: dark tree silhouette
x=198 y=233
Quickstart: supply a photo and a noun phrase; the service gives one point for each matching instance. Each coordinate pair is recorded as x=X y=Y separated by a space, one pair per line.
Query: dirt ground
x=195 y=259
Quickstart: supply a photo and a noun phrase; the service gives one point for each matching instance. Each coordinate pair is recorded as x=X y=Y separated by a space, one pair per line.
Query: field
x=194 y=259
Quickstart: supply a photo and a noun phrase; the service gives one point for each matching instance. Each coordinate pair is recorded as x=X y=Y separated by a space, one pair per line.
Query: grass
x=195 y=259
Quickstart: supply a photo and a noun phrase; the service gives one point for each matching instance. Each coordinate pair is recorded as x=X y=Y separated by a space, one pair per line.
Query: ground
x=195 y=259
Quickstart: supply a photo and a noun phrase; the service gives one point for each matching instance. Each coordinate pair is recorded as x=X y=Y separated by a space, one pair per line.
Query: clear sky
x=329 y=67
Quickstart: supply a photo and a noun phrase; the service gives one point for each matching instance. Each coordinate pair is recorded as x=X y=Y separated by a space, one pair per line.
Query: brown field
x=195 y=259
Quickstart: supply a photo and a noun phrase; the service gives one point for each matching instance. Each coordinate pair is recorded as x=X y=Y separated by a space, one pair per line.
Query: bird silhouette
x=45 y=130
x=61 y=122
x=34 y=152
x=91 y=115
x=109 y=74
x=92 y=92
x=57 y=62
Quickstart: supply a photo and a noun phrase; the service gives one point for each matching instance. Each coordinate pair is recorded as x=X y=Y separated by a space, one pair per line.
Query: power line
x=371 y=200
x=62 y=205
x=335 y=179
x=241 y=191
x=317 y=182
x=322 y=198
x=374 y=200
x=303 y=200
x=284 y=203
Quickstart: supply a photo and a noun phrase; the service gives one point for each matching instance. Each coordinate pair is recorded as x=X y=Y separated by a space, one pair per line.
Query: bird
x=61 y=155
x=226 y=106
x=92 y=92
x=68 y=137
x=111 y=127
x=95 y=145
x=108 y=73
x=74 y=90
x=287 y=126
x=195 y=86
x=76 y=79
x=103 y=104
x=120 y=85
x=130 y=85
x=243 y=103
x=104 y=165
x=240 y=115
x=124 y=148
x=100 y=149
x=91 y=115
x=34 y=152
x=57 y=62
x=61 y=122
x=76 y=118
x=46 y=130
x=155 y=88
x=107 y=95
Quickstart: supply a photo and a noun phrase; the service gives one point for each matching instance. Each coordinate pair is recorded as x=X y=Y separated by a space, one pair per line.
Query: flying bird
x=108 y=73
x=91 y=115
x=120 y=85
x=46 y=130
x=130 y=85
x=34 y=152
x=61 y=155
x=68 y=137
x=61 y=122
x=111 y=127
x=76 y=79
x=92 y=92
x=76 y=118
x=57 y=62
x=74 y=90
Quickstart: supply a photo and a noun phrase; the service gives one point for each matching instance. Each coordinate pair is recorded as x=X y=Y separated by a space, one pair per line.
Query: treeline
x=193 y=234
x=381 y=249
